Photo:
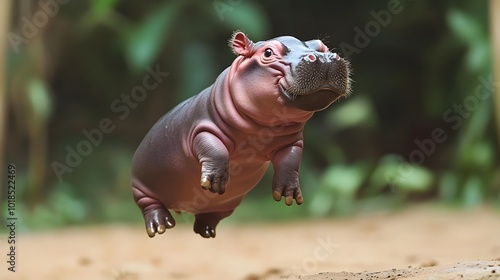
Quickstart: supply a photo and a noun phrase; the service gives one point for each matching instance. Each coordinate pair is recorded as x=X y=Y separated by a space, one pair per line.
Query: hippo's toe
x=206 y=223
x=215 y=183
x=288 y=187
x=205 y=231
x=157 y=221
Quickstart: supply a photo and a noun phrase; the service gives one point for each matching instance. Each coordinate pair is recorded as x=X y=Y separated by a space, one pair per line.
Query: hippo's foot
x=157 y=221
x=206 y=223
x=287 y=185
x=214 y=176
x=286 y=163
x=157 y=218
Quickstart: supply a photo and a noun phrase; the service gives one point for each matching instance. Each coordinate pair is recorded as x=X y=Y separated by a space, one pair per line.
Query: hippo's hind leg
x=206 y=223
x=156 y=216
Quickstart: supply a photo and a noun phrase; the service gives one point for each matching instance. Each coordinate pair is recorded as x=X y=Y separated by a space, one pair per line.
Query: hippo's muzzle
x=316 y=81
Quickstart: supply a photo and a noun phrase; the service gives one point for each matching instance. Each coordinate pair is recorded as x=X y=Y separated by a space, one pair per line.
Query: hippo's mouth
x=316 y=100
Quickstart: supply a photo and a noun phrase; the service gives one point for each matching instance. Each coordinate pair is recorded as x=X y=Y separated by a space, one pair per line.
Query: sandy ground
x=420 y=243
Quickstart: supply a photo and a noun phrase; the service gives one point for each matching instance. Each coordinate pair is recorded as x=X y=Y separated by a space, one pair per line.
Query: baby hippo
x=207 y=153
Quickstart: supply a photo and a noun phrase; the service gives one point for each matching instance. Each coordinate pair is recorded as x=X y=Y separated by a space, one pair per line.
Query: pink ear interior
x=241 y=45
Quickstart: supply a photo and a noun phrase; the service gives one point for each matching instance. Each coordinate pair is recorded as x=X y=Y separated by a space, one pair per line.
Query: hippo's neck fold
x=282 y=120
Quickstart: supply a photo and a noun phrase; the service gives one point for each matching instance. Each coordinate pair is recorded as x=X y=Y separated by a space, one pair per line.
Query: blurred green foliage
x=429 y=57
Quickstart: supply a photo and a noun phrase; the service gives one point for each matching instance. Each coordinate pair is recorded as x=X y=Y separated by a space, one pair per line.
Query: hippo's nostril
x=310 y=58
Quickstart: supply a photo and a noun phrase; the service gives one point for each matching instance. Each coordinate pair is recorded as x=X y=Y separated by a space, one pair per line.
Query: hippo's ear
x=240 y=44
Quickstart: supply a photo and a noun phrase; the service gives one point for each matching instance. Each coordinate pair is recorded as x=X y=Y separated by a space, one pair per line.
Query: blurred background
x=421 y=125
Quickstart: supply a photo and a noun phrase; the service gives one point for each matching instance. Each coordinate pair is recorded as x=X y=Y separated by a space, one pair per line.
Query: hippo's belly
x=192 y=198
x=169 y=174
x=177 y=187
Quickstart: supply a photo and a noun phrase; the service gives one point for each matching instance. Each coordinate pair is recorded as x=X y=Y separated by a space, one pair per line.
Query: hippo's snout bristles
x=325 y=69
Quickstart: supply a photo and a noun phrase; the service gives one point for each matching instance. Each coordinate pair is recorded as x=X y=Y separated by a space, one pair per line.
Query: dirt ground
x=419 y=243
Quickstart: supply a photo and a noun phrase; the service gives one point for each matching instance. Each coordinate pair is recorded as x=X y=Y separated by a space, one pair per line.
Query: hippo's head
x=303 y=75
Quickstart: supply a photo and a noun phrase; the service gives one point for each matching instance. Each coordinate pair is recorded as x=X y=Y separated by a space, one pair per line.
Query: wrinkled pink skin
x=204 y=155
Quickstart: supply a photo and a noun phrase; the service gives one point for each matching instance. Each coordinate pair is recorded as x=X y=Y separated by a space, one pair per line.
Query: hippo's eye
x=268 y=53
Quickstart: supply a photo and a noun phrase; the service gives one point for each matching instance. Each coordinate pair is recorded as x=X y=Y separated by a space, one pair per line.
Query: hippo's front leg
x=286 y=163
x=214 y=159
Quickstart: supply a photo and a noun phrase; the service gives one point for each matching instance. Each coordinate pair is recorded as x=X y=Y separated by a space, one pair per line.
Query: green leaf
x=479 y=56
x=39 y=99
x=198 y=69
x=65 y=204
x=471 y=32
x=145 y=41
x=321 y=204
x=337 y=190
x=473 y=194
x=480 y=156
x=386 y=173
x=448 y=186
x=103 y=6
x=245 y=16
x=395 y=172
x=464 y=26
x=68 y=207
x=344 y=179
x=420 y=179
x=356 y=112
